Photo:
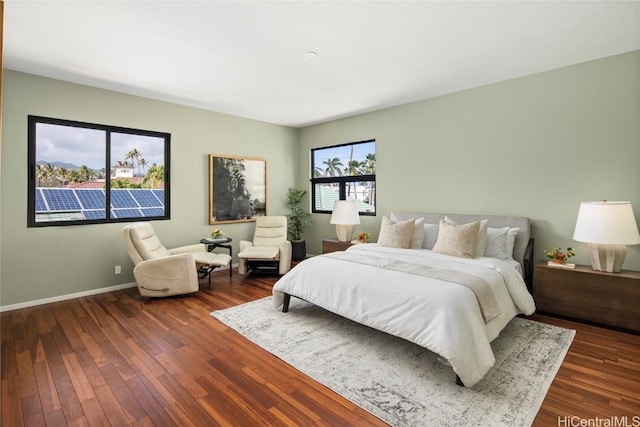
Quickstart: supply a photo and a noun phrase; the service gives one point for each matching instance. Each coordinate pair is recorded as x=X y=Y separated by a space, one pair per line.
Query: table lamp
x=344 y=216
x=606 y=228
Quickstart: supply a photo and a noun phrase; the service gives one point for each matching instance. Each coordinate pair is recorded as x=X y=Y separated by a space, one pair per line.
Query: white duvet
x=441 y=316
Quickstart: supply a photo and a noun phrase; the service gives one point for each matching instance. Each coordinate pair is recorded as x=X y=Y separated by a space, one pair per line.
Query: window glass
x=72 y=164
x=344 y=172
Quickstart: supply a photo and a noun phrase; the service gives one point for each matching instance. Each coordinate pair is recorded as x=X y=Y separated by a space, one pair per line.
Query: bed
x=452 y=305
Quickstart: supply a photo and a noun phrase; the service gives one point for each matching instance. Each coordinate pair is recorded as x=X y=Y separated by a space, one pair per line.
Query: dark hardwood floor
x=118 y=359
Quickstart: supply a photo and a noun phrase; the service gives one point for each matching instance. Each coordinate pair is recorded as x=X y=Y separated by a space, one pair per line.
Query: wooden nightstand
x=332 y=245
x=582 y=293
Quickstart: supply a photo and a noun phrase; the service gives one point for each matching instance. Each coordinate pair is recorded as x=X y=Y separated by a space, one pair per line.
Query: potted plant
x=297 y=221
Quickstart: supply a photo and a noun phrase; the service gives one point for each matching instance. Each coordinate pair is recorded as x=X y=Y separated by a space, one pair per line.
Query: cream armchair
x=162 y=272
x=270 y=251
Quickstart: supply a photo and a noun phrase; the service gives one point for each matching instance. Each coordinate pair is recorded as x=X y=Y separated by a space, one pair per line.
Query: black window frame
x=342 y=181
x=34 y=120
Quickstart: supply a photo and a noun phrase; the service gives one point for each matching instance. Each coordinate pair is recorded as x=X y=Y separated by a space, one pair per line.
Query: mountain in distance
x=58 y=164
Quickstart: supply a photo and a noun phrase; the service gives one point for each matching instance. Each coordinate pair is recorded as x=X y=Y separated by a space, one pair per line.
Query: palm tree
x=134 y=155
x=45 y=175
x=353 y=168
x=333 y=167
x=62 y=174
x=142 y=162
x=369 y=168
x=85 y=174
x=154 y=176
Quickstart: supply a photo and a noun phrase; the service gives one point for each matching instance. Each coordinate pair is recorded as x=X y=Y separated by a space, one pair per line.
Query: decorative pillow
x=481 y=242
x=457 y=240
x=496 y=243
x=430 y=235
x=395 y=234
x=418 y=233
x=511 y=242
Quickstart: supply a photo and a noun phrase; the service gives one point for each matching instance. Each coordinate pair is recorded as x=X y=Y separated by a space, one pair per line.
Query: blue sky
x=82 y=146
x=360 y=152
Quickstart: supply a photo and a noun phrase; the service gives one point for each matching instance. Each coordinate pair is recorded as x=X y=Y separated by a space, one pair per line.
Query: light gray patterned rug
x=402 y=383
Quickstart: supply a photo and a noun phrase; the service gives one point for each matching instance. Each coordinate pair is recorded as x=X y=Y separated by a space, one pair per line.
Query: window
x=344 y=172
x=84 y=173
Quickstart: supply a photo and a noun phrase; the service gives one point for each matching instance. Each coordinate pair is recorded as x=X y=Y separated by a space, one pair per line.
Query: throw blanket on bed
x=480 y=287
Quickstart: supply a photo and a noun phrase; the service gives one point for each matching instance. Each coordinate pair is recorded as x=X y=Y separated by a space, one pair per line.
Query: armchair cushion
x=269 y=244
x=262 y=252
x=146 y=242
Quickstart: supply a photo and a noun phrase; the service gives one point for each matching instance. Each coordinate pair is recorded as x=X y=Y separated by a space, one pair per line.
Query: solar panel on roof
x=120 y=199
x=152 y=211
x=91 y=198
x=126 y=213
x=159 y=193
x=75 y=204
x=145 y=198
x=61 y=199
x=93 y=214
x=41 y=206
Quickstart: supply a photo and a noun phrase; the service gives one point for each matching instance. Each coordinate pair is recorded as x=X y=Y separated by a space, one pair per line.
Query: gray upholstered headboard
x=522 y=248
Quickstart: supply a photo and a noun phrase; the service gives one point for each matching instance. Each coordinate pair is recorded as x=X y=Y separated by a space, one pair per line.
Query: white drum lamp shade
x=344 y=217
x=606 y=228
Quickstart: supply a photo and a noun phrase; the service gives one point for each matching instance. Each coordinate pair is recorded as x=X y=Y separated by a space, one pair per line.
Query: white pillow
x=511 y=241
x=430 y=235
x=496 y=243
x=457 y=240
x=481 y=241
x=395 y=234
x=418 y=234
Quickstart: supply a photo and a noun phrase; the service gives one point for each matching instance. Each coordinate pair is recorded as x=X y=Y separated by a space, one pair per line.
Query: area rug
x=402 y=383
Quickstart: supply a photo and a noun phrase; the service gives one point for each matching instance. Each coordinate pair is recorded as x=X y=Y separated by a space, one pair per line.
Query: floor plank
x=119 y=358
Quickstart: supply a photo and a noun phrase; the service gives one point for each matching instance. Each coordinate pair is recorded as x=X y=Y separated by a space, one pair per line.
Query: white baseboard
x=66 y=297
x=76 y=295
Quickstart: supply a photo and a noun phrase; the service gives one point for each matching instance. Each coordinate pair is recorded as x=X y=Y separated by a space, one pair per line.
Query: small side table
x=609 y=299
x=211 y=244
x=333 y=245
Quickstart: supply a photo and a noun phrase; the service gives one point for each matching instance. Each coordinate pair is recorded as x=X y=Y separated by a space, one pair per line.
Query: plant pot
x=559 y=259
x=298 y=250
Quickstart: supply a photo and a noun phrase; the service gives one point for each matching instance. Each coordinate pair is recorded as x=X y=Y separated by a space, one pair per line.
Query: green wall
x=41 y=263
x=535 y=146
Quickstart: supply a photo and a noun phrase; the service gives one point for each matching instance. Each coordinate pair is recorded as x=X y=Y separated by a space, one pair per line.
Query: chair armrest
x=285 y=257
x=172 y=275
x=196 y=247
x=244 y=244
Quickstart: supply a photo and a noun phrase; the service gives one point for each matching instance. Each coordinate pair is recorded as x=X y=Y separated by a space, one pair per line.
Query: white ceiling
x=247 y=58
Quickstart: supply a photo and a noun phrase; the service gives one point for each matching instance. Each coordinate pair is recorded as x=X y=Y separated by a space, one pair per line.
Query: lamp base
x=344 y=232
x=607 y=258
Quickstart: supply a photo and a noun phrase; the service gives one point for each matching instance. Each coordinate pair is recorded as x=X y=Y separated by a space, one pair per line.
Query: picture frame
x=237 y=188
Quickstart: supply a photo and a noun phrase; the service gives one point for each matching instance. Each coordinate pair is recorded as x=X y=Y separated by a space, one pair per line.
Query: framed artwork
x=237 y=188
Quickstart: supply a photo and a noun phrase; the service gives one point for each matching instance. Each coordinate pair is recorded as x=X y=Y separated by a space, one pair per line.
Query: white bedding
x=441 y=316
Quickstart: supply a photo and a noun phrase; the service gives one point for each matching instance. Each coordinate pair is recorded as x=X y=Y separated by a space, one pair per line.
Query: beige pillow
x=395 y=234
x=457 y=240
x=481 y=241
x=418 y=232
